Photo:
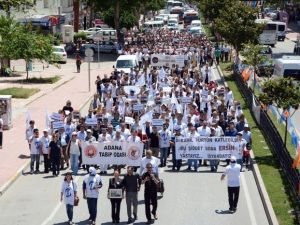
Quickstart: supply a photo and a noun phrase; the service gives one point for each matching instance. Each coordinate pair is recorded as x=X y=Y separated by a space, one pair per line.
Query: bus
x=189 y=16
x=172 y=3
x=269 y=34
x=179 y=11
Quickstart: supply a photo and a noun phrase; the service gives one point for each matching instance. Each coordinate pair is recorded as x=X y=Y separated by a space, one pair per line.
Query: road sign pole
x=89 y=75
x=98 y=54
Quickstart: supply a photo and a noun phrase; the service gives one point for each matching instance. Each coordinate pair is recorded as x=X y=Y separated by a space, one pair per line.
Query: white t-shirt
x=233 y=174
x=1 y=125
x=204 y=132
x=68 y=190
x=45 y=142
x=74 y=147
x=164 y=138
x=90 y=183
x=134 y=139
x=154 y=161
x=35 y=146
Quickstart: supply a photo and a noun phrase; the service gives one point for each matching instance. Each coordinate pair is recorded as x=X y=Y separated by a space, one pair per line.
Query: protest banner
x=167 y=60
x=91 y=121
x=114 y=152
x=207 y=148
x=129 y=120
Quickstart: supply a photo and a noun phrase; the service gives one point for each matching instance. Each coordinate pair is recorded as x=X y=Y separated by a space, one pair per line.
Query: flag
x=296 y=160
x=171 y=126
x=47 y=120
x=185 y=115
x=27 y=119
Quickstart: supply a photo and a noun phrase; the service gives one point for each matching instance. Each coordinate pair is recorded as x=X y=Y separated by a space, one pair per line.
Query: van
x=196 y=23
x=153 y=24
x=174 y=16
x=126 y=62
x=104 y=35
x=287 y=66
x=280 y=30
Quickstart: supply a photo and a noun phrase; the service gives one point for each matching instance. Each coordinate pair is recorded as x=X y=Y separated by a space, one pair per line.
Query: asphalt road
x=190 y=199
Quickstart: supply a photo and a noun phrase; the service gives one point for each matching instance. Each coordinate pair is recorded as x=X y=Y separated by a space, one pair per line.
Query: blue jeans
x=193 y=162
x=34 y=158
x=92 y=206
x=240 y=161
x=69 y=211
x=163 y=156
x=74 y=163
x=213 y=164
x=176 y=162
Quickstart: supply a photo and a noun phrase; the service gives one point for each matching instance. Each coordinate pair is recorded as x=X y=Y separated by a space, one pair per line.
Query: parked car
x=60 y=55
x=91 y=31
x=104 y=46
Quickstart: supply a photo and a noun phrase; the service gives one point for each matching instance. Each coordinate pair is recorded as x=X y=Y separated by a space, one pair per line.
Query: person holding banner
x=149 y=159
x=233 y=182
x=115 y=183
x=45 y=140
x=35 y=150
x=164 y=144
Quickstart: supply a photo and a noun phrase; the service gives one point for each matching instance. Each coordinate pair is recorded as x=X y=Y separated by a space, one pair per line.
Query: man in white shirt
x=233 y=182
x=35 y=149
x=29 y=131
x=45 y=140
x=104 y=137
x=149 y=159
x=91 y=185
x=133 y=137
x=164 y=144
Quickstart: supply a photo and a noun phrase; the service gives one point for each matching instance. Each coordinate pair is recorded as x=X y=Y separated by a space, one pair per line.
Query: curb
x=5 y=187
x=269 y=211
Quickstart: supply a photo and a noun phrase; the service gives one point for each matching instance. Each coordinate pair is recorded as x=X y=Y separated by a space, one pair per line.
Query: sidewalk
x=293 y=31
x=73 y=86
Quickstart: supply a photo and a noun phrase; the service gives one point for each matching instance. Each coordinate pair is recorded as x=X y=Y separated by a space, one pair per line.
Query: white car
x=91 y=31
x=173 y=26
x=60 y=55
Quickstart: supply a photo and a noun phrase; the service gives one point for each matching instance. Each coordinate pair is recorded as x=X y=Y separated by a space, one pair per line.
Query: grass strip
x=272 y=176
x=18 y=92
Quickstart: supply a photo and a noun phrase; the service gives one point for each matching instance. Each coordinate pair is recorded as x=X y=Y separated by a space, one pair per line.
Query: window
x=281 y=28
x=292 y=73
x=270 y=27
x=46 y=4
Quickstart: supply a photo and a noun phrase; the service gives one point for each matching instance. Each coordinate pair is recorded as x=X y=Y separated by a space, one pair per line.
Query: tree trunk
x=117 y=16
x=76 y=15
x=91 y=5
x=27 y=72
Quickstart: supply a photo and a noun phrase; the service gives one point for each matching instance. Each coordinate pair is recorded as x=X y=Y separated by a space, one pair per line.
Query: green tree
x=211 y=9
x=30 y=45
x=236 y=23
x=6 y=5
x=283 y=93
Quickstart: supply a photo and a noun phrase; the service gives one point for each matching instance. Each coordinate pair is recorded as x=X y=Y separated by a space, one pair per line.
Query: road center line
x=57 y=207
x=248 y=200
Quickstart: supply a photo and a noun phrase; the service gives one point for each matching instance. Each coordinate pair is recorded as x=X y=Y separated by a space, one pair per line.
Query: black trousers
x=47 y=163
x=115 y=209
x=233 y=196
x=55 y=164
x=150 y=198
x=1 y=138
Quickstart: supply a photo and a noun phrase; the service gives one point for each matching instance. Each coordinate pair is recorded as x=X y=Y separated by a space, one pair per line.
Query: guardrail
x=277 y=145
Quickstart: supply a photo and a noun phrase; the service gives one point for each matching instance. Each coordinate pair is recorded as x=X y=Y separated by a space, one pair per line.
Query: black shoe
x=135 y=216
x=234 y=209
x=31 y=172
x=36 y=171
x=231 y=210
x=149 y=222
x=129 y=221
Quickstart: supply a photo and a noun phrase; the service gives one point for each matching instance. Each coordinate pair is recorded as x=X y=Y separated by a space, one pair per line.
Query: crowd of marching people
x=211 y=112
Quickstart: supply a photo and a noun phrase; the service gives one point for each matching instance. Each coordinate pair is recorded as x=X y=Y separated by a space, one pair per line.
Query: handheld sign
x=186 y=100
x=157 y=122
x=56 y=116
x=138 y=107
x=58 y=124
x=91 y=121
x=129 y=120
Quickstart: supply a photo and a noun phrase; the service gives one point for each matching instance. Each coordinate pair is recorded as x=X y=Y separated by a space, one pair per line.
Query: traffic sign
x=89 y=59
x=89 y=52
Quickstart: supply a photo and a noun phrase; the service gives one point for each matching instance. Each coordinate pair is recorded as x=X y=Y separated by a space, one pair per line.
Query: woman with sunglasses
x=55 y=153
x=69 y=193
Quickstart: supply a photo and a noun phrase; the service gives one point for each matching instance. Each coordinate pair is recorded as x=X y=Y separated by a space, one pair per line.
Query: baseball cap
x=233 y=159
x=92 y=171
x=177 y=128
x=240 y=134
x=45 y=130
x=246 y=125
x=89 y=130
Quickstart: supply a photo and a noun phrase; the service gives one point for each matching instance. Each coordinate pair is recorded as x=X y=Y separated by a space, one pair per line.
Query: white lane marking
x=54 y=211
x=248 y=201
